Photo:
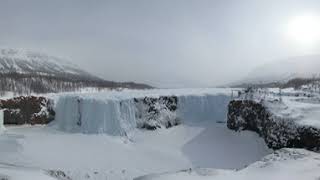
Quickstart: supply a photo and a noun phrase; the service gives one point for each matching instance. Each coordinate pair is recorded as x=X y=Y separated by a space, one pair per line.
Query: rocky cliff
x=27 y=110
x=278 y=132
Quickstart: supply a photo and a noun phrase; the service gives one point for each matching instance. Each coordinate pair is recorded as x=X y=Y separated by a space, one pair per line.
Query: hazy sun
x=304 y=29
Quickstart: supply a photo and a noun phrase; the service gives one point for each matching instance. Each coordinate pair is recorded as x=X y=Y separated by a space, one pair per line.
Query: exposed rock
x=27 y=110
x=58 y=174
x=277 y=132
x=153 y=113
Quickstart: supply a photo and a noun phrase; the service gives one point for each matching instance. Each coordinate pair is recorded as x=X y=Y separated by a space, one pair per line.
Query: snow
x=108 y=145
x=8 y=172
x=142 y=152
x=293 y=164
x=301 y=109
x=24 y=61
x=299 y=106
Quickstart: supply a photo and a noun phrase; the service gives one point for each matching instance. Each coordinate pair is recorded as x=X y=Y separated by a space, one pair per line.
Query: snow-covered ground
x=200 y=141
x=180 y=147
x=301 y=106
x=10 y=171
x=293 y=164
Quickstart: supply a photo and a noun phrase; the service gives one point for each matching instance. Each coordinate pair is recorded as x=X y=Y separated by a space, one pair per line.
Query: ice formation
x=117 y=113
x=1 y=121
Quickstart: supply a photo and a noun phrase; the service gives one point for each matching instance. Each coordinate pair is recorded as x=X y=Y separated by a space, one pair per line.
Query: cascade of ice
x=1 y=120
x=74 y=114
x=203 y=108
x=119 y=116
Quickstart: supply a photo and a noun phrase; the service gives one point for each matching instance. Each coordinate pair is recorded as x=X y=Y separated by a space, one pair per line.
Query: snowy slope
x=284 y=70
x=24 y=72
x=11 y=172
x=303 y=110
x=21 y=61
x=293 y=164
x=98 y=157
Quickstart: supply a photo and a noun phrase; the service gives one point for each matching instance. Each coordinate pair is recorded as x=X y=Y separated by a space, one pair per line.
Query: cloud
x=165 y=43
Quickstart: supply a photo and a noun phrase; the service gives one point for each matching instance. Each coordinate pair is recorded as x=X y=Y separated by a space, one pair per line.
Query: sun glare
x=305 y=29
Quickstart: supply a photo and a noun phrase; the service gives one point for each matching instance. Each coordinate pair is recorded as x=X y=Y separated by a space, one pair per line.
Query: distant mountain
x=25 y=71
x=27 y=62
x=282 y=71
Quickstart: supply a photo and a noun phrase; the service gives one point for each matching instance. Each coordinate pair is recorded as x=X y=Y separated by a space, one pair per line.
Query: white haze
x=169 y=43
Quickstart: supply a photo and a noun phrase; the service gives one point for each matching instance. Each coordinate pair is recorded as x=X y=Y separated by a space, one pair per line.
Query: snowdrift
x=293 y=164
x=117 y=113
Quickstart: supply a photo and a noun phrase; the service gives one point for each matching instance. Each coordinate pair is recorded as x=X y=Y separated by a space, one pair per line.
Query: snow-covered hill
x=25 y=72
x=284 y=70
x=25 y=62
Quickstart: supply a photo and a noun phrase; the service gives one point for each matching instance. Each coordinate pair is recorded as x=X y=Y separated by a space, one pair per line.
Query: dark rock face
x=27 y=110
x=153 y=113
x=277 y=132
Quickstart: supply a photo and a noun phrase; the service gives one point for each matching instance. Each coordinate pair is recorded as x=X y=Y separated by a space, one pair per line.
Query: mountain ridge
x=282 y=71
x=27 y=71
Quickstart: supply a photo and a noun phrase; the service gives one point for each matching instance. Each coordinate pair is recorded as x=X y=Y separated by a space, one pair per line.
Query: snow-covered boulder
x=153 y=113
x=278 y=132
x=27 y=110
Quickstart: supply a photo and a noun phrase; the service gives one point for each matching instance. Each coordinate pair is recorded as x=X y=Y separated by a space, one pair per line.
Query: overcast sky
x=167 y=43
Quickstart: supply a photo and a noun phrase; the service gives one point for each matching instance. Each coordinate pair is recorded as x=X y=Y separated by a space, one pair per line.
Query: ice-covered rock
x=277 y=131
x=27 y=110
x=153 y=113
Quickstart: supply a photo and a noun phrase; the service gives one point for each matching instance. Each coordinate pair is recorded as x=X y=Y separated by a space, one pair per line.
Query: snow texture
x=100 y=156
x=293 y=164
x=8 y=172
x=23 y=61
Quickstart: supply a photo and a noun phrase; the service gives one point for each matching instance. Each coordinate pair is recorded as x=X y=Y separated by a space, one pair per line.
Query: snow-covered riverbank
x=207 y=145
x=202 y=140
